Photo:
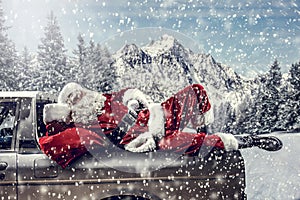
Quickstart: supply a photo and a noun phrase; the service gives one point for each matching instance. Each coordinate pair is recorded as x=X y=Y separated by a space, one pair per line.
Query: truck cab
x=27 y=173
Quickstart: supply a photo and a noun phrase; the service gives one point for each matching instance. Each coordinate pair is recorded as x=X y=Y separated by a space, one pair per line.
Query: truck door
x=35 y=170
x=8 y=175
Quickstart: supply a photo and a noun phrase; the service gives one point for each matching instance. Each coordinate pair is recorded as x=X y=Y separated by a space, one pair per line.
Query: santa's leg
x=190 y=144
x=185 y=106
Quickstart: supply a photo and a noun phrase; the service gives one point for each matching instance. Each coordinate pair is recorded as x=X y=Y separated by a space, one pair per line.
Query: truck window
x=41 y=127
x=25 y=130
x=7 y=123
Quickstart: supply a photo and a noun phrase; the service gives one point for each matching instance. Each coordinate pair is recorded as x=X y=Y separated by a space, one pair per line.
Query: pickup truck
x=27 y=173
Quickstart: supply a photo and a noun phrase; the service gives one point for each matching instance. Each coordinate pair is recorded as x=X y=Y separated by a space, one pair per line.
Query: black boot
x=244 y=141
x=268 y=143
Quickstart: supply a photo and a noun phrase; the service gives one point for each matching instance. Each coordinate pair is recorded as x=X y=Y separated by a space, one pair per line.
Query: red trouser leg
x=181 y=107
x=189 y=143
x=179 y=111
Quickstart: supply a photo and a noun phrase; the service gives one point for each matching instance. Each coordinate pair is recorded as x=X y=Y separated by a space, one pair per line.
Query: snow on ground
x=274 y=175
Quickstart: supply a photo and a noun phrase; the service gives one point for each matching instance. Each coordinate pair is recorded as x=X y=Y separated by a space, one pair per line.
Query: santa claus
x=131 y=120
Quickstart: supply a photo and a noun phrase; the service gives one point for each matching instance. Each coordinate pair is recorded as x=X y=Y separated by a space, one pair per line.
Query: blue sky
x=247 y=36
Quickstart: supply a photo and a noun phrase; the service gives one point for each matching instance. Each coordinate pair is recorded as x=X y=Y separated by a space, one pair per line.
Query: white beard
x=86 y=110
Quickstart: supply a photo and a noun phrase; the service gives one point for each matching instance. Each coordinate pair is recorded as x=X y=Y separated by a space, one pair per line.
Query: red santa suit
x=157 y=127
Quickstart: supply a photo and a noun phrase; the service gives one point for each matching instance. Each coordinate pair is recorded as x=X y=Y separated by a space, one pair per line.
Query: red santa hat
x=56 y=112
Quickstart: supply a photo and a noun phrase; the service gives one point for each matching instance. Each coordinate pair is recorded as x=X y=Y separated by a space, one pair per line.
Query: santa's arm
x=61 y=135
x=56 y=112
x=64 y=142
x=156 y=124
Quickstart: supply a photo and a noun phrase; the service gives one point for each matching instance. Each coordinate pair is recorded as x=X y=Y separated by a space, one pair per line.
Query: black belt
x=120 y=131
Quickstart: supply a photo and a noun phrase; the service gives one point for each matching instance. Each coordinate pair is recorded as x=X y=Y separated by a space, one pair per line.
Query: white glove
x=143 y=143
x=133 y=105
x=136 y=94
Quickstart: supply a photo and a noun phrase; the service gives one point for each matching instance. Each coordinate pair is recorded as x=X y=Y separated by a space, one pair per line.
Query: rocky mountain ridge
x=164 y=66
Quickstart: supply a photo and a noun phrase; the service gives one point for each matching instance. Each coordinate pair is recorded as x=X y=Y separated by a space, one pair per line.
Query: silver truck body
x=26 y=173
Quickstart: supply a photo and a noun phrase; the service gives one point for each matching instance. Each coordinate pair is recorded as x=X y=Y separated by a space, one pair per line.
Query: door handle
x=3 y=165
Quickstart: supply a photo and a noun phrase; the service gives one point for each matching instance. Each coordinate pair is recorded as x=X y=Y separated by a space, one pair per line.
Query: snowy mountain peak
x=128 y=49
x=165 y=44
x=166 y=41
x=211 y=59
x=166 y=61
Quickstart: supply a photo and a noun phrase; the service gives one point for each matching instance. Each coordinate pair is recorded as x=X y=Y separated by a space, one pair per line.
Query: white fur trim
x=230 y=142
x=136 y=94
x=68 y=90
x=55 y=111
x=208 y=116
x=156 y=122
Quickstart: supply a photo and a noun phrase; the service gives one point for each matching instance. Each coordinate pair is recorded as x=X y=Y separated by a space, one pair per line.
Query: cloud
x=236 y=24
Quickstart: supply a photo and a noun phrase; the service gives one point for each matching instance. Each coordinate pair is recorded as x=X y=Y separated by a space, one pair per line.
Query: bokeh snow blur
x=245 y=35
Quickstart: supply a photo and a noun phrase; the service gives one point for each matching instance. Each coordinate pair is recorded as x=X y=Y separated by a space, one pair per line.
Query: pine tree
x=78 y=61
x=52 y=58
x=295 y=80
x=295 y=97
x=27 y=73
x=261 y=115
x=8 y=57
x=90 y=66
x=269 y=100
x=247 y=122
x=81 y=51
x=105 y=76
x=232 y=120
x=82 y=62
x=93 y=66
x=290 y=110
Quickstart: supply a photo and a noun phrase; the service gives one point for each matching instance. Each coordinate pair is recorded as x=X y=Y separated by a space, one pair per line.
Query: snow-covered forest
x=270 y=101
